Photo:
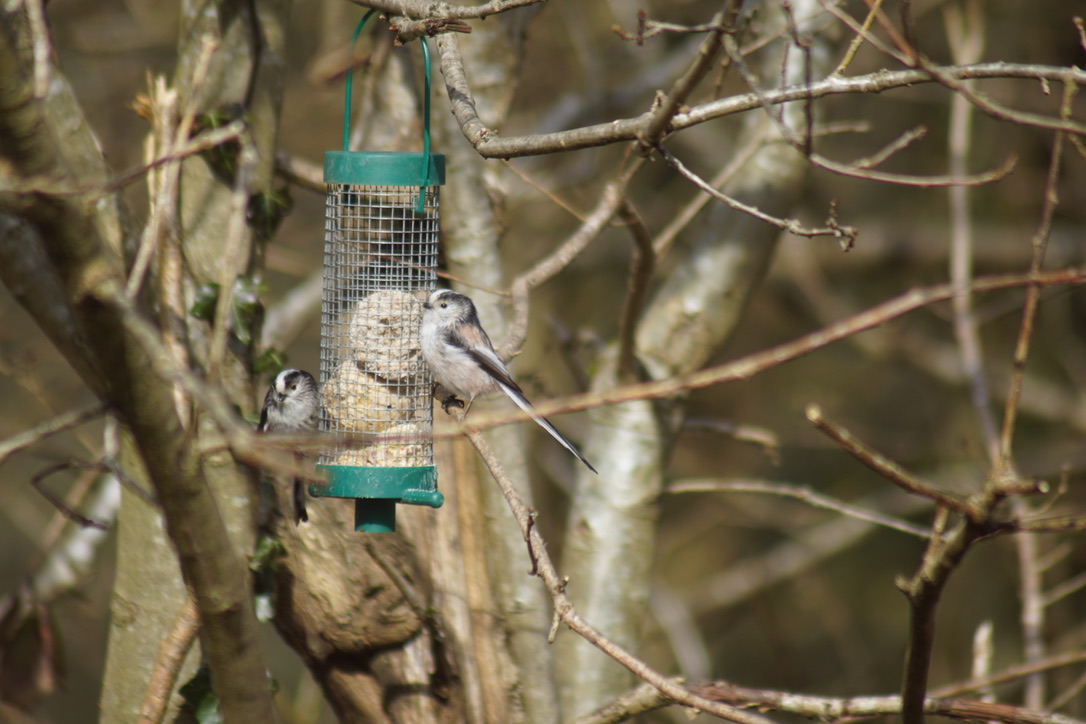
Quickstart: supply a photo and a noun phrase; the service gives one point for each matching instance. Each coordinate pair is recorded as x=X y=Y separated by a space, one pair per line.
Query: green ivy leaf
x=246 y=309
x=267 y=210
x=203 y=305
x=269 y=362
x=265 y=559
x=223 y=158
x=200 y=698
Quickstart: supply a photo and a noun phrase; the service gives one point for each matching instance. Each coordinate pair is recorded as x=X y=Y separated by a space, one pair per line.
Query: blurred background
x=772 y=593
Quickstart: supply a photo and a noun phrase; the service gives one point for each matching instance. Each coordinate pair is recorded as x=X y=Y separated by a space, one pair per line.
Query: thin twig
x=543 y=567
x=845 y=235
x=168 y=145
x=66 y=563
x=858 y=38
x=1061 y=591
x=75 y=497
x=967 y=46
x=597 y=220
x=1012 y=674
x=819 y=708
x=52 y=426
x=823 y=708
x=763 y=437
x=898 y=144
x=38 y=481
x=884 y=466
x=746 y=367
x=544 y=191
x=666 y=238
x=803 y=144
x=800 y=492
x=660 y=117
x=1033 y=611
x=235 y=250
x=642 y=263
x=1039 y=244
x=300 y=172
x=171 y=656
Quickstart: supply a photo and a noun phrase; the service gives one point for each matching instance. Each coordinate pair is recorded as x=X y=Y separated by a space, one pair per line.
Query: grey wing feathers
x=493 y=367
x=483 y=354
x=262 y=426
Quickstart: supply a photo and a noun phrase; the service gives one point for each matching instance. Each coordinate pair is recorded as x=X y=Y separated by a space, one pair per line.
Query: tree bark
x=611 y=532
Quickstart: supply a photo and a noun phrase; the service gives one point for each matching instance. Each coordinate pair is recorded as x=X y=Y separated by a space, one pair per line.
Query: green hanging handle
x=425 y=105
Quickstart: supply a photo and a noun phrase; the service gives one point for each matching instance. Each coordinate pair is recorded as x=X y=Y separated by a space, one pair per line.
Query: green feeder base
x=375 y=516
x=376 y=492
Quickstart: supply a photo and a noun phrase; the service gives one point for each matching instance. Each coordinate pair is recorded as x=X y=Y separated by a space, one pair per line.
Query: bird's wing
x=262 y=426
x=486 y=358
x=472 y=342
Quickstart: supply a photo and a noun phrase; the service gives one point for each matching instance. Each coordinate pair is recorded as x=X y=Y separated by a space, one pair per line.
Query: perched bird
x=292 y=405
x=463 y=360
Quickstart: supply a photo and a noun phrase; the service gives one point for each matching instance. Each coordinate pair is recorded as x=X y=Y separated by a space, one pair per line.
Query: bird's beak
x=425 y=305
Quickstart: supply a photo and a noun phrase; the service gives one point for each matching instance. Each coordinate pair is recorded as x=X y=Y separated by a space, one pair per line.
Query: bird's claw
x=451 y=401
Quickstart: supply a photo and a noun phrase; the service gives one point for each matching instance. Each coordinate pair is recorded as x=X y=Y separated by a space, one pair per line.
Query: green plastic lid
x=384 y=168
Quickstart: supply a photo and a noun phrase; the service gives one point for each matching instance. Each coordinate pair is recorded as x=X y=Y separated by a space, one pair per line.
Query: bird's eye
x=444 y=304
x=294 y=386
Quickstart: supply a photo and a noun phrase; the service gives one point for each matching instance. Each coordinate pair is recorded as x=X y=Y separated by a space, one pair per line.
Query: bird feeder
x=380 y=260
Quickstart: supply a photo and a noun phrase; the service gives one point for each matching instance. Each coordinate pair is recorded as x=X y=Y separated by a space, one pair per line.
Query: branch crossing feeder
x=380 y=257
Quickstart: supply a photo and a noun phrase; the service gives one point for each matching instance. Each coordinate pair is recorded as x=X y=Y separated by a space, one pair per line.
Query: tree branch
x=490 y=144
x=543 y=567
x=750 y=365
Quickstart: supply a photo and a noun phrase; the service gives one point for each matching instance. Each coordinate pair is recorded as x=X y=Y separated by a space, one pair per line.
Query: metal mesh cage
x=380 y=257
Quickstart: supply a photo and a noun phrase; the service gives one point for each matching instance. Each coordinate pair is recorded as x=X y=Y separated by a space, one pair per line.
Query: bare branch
x=408 y=30
x=753 y=364
x=823 y=708
x=647 y=698
x=844 y=234
x=427 y=9
x=886 y=467
x=660 y=118
x=543 y=567
x=1039 y=244
x=300 y=172
x=171 y=655
x=967 y=46
x=54 y=425
x=490 y=144
x=641 y=266
x=800 y=492
x=1012 y=673
x=610 y=201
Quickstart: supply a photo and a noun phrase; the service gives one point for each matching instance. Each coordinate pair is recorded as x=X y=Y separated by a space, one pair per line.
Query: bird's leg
x=453 y=401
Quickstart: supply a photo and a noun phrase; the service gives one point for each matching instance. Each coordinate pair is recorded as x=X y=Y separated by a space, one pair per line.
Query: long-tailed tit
x=463 y=361
x=292 y=405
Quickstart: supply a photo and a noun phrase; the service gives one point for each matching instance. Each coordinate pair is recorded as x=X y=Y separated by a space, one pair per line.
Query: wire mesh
x=380 y=258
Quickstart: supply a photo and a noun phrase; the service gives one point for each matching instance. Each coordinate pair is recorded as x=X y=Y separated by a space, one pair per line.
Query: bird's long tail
x=522 y=402
x=301 y=515
x=297 y=494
